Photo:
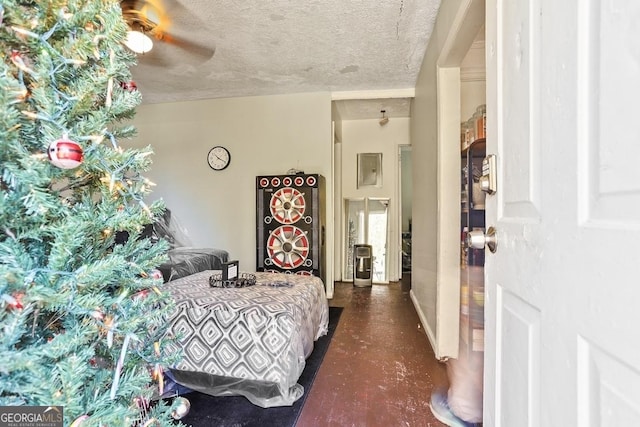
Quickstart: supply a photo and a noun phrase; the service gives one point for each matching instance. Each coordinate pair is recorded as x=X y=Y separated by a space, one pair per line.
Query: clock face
x=218 y=158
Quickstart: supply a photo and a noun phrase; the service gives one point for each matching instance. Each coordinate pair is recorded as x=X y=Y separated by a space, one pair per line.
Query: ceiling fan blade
x=192 y=47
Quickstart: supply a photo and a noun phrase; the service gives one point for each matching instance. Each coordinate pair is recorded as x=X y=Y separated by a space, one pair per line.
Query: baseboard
x=425 y=325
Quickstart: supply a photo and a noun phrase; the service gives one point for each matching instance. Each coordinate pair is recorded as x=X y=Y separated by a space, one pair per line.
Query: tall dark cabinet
x=291 y=224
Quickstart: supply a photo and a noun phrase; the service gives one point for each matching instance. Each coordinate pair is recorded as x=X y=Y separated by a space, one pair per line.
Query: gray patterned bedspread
x=250 y=341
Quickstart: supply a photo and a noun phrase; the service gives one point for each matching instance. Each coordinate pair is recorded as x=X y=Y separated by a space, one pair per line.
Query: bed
x=251 y=341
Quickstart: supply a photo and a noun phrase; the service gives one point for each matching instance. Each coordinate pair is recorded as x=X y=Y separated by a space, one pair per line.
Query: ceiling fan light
x=138 y=42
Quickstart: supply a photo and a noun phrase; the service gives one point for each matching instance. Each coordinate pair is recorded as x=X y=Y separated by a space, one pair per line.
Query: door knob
x=477 y=239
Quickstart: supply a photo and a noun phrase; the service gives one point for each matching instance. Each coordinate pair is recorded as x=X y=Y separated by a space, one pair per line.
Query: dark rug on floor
x=237 y=411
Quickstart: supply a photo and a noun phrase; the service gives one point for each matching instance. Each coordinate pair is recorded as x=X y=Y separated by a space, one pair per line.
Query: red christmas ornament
x=14 y=301
x=131 y=86
x=18 y=297
x=141 y=294
x=65 y=154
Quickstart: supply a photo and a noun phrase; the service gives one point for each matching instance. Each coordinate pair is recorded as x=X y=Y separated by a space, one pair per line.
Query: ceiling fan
x=148 y=19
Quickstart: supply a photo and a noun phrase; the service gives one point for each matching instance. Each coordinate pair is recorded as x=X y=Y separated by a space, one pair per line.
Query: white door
x=562 y=320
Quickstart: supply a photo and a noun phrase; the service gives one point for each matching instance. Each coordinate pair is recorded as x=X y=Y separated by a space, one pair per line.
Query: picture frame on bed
x=230 y=270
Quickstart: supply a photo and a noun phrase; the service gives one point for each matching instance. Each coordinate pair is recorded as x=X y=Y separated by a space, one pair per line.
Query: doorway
x=462 y=93
x=366 y=222
x=465 y=394
x=405 y=193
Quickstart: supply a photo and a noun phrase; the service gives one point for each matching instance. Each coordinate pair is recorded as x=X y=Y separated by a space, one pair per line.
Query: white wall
x=265 y=135
x=367 y=136
x=472 y=94
x=473 y=75
x=425 y=201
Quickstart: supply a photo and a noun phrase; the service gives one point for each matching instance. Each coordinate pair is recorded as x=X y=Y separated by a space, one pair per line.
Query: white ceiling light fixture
x=384 y=119
x=138 y=42
x=143 y=18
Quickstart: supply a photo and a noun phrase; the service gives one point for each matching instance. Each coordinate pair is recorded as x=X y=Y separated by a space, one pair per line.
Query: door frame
x=469 y=20
x=344 y=250
x=399 y=206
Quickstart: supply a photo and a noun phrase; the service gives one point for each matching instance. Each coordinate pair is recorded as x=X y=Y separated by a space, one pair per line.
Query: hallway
x=380 y=368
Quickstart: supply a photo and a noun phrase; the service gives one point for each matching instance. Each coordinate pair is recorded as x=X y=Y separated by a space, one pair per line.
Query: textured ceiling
x=250 y=48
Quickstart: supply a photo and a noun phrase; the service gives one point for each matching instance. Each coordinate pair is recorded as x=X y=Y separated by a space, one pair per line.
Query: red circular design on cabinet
x=298 y=181
x=286 y=181
x=264 y=182
x=311 y=181
x=288 y=247
x=275 y=182
x=304 y=273
x=287 y=205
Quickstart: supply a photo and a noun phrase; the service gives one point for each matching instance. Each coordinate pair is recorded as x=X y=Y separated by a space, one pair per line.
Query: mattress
x=251 y=341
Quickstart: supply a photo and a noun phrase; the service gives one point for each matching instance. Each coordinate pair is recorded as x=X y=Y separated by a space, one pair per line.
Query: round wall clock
x=218 y=158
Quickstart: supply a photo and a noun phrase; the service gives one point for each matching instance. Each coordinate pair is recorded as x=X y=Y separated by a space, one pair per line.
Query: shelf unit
x=406 y=251
x=472 y=217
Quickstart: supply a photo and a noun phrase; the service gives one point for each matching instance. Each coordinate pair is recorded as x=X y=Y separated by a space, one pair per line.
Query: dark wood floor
x=379 y=369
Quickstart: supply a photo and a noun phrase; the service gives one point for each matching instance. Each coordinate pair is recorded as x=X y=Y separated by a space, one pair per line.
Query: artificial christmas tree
x=81 y=317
